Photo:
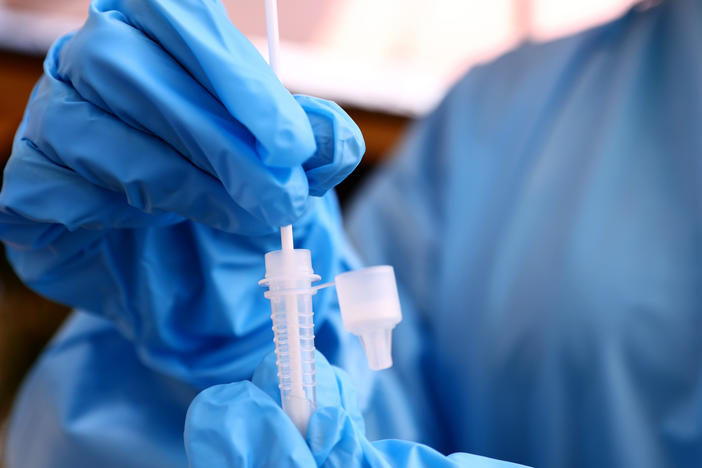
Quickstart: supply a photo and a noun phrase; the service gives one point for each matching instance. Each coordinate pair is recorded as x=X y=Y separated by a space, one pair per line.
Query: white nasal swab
x=289 y=277
x=368 y=301
x=286 y=236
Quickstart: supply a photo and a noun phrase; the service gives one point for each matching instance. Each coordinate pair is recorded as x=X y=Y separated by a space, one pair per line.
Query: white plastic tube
x=289 y=277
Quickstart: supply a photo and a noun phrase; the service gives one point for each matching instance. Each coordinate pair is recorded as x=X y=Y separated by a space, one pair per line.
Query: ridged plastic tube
x=289 y=277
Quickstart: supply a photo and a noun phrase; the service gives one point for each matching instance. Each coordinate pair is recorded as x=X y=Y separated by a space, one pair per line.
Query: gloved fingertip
x=334 y=120
x=339 y=141
x=334 y=439
x=324 y=429
x=285 y=202
x=265 y=376
x=219 y=396
x=290 y=144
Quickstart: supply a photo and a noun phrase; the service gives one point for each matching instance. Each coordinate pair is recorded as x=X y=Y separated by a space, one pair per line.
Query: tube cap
x=285 y=267
x=370 y=308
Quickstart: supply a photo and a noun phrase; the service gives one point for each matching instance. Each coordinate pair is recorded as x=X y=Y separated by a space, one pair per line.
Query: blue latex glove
x=156 y=143
x=241 y=424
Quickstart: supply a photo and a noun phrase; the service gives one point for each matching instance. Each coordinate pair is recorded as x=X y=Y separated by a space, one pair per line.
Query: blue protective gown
x=544 y=223
x=555 y=200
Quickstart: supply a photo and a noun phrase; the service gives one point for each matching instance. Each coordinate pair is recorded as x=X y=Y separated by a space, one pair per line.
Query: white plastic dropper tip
x=378 y=345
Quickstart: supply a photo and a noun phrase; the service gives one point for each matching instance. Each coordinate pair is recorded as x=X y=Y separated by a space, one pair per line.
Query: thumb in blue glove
x=242 y=424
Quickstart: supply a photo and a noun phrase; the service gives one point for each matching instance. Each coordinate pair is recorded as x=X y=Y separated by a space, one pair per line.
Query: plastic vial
x=289 y=277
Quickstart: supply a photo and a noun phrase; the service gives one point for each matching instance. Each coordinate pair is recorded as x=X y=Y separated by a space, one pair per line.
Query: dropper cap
x=370 y=308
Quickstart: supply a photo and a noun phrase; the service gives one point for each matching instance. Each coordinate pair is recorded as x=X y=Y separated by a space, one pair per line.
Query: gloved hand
x=157 y=143
x=242 y=424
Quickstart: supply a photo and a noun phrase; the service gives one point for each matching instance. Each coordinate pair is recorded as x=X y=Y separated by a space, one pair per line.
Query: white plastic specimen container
x=289 y=277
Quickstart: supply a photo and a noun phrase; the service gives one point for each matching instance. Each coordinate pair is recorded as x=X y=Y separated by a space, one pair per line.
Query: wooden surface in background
x=18 y=73
x=381 y=132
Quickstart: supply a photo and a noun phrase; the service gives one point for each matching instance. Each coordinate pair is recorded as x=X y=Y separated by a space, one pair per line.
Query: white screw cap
x=370 y=308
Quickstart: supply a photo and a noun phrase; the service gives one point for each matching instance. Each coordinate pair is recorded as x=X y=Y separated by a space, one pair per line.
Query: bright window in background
x=392 y=55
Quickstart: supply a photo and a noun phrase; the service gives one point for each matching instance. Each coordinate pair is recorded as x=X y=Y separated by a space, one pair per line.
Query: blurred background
x=384 y=62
